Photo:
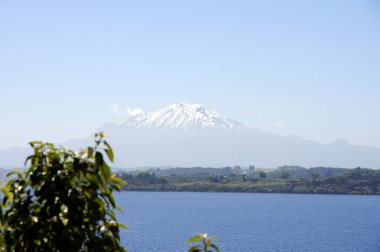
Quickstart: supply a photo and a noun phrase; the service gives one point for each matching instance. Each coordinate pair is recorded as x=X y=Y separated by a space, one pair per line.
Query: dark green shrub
x=63 y=202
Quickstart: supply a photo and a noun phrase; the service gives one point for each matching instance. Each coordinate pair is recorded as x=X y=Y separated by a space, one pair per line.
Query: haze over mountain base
x=187 y=135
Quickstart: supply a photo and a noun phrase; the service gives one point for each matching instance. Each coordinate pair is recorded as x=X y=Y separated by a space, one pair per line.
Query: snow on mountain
x=179 y=116
x=188 y=135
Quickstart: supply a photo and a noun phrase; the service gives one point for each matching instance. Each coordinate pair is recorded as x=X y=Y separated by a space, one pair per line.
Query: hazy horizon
x=291 y=68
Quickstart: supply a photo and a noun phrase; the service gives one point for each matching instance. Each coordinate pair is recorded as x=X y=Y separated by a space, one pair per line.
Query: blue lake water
x=163 y=221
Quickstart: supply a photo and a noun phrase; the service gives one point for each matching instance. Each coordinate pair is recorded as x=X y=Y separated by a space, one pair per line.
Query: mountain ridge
x=187 y=135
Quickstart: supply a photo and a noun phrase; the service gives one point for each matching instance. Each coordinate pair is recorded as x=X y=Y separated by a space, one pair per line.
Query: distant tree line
x=191 y=171
x=283 y=180
x=302 y=172
x=282 y=172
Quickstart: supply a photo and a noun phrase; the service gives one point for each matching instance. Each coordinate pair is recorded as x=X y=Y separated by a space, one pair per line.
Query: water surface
x=162 y=221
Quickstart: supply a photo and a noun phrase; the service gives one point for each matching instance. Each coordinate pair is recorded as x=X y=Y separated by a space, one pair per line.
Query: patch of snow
x=179 y=116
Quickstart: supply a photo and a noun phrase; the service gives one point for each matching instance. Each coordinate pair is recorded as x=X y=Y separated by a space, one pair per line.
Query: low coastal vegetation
x=286 y=179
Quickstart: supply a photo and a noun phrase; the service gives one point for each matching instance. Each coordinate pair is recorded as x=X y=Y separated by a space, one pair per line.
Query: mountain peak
x=179 y=116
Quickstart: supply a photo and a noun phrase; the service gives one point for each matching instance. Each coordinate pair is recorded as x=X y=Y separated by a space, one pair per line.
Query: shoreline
x=251 y=192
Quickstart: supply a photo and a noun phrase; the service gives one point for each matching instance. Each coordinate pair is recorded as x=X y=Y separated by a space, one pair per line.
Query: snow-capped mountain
x=179 y=116
x=188 y=135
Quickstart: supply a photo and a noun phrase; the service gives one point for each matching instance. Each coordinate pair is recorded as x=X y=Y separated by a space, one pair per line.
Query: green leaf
x=207 y=243
x=194 y=249
x=106 y=171
x=112 y=201
x=98 y=159
x=11 y=173
x=215 y=247
x=90 y=152
x=109 y=151
x=122 y=226
x=64 y=221
x=195 y=238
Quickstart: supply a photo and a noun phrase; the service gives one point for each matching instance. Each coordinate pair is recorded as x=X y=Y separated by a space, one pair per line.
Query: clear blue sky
x=310 y=68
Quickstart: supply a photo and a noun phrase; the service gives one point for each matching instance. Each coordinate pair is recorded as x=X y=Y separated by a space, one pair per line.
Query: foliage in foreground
x=63 y=202
x=205 y=243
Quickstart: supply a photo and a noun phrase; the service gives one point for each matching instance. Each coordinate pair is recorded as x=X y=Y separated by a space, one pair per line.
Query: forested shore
x=287 y=179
